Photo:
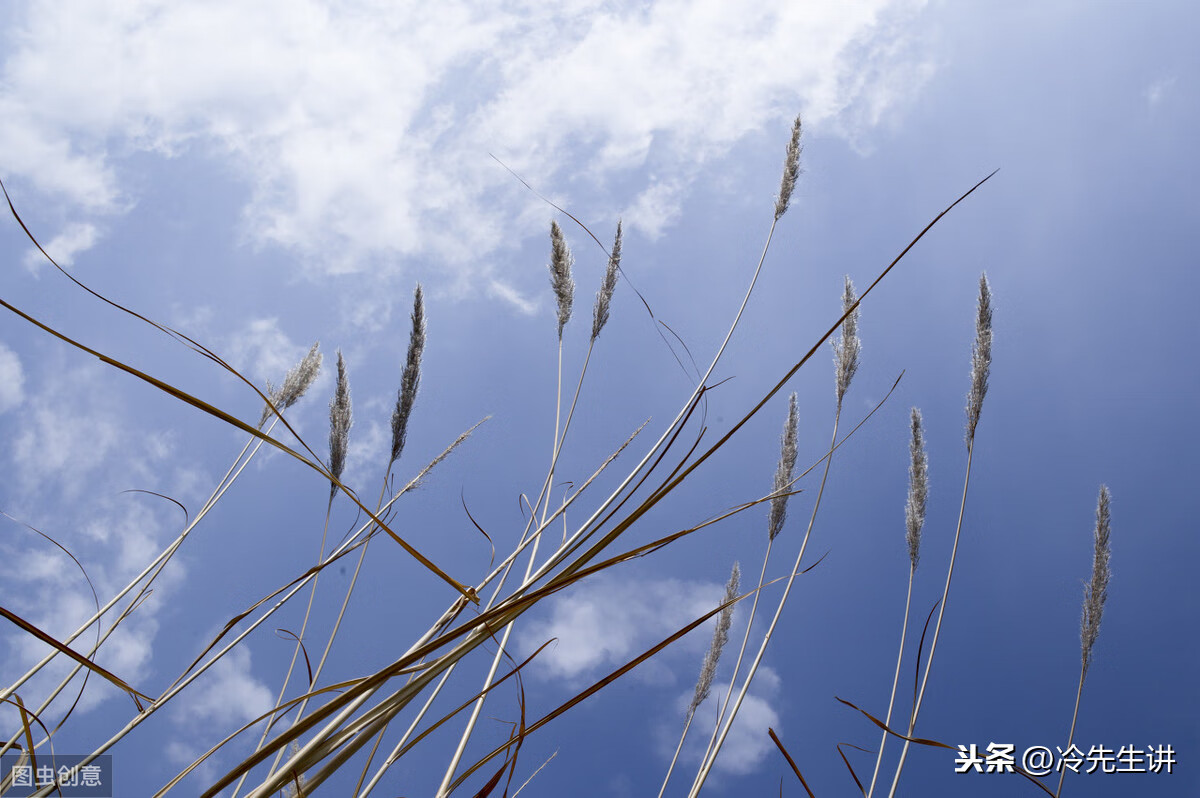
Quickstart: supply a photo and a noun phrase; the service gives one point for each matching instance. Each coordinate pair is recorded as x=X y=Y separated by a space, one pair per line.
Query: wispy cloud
x=608 y=621
x=1158 y=90
x=73 y=240
x=12 y=379
x=747 y=744
x=326 y=111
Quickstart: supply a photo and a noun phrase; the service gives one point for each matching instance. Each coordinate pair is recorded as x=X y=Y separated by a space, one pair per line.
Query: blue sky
x=263 y=178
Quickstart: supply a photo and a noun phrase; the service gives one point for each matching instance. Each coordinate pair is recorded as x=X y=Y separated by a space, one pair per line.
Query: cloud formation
x=328 y=114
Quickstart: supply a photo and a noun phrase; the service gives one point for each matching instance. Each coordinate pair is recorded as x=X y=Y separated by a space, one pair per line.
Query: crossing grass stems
x=341 y=727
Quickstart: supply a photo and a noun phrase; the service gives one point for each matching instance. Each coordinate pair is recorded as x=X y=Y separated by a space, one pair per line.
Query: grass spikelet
x=783 y=473
x=847 y=348
x=410 y=380
x=918 y=489
x=295 y=383
x=560 y=275
x=791 y=171
x=981 y=357
x=340 y=420
x=1095 y=593
x=720 y=637
x=604 y=295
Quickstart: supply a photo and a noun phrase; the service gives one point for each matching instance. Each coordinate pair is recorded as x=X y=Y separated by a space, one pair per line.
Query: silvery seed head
x=1095 y=593
x=918 y=489
x=604 y=295
x=295 y=383
x=846 y=349
x=708 y=670
x=340 y=420
x=560 y=275
x=791 y=171
x=981 y=357
x=783 y=472
x=410 y=380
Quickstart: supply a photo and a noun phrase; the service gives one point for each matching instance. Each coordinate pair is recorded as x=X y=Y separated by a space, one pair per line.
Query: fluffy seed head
x=981 y=357
x=847 y=348
x=560 y=275
x=410 y=380
x=918 y=489
x=783 y=472
x=295 y=383
x=1095 y=592
x=340 y=419
x=708 y=670
x=791 y=170
x=604 y=295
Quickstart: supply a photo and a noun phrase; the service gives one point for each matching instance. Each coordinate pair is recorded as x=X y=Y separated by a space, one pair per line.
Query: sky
x=265 y=176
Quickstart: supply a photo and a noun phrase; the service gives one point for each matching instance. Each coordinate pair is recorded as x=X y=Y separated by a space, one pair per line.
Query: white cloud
x=227 y=695
x=608 y=621
x=363 y=130
x=74 y=239
x=12 y=379
x=262 y=351
x=747 y=743
x=508 y=294
x=74 y=454
x=1157 y=90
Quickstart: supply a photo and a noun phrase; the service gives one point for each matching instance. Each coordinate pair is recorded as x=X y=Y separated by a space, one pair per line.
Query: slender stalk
x=981 y=365
x=914 y=518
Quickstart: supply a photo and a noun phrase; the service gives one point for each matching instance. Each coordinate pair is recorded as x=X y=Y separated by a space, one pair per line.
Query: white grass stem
x=912 y=722
x=895 y=682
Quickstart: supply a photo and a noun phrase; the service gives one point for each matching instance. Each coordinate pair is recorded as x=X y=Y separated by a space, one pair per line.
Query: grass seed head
x=295 y=383
x=1095 y=592
x=846 y=349
x=604 y=295
x=791 y=171
x=783 y=472
x=560 y=275
x=981 y=357
x=708 y=670
x=918 y=489
x=410 y=380
x=340 y=420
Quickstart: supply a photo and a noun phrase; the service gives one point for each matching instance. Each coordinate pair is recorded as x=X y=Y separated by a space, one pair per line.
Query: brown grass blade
x=936 y=744
x=26 y=626
x=790 y=761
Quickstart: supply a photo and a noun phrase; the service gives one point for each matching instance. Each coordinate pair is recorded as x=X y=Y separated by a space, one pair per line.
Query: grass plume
x=560 y=275
x=604 y=295
x=410 y=380
x=1095 y=594
x=981 y=357
x=791 y=171
x=295 y=383
x=341 y=418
